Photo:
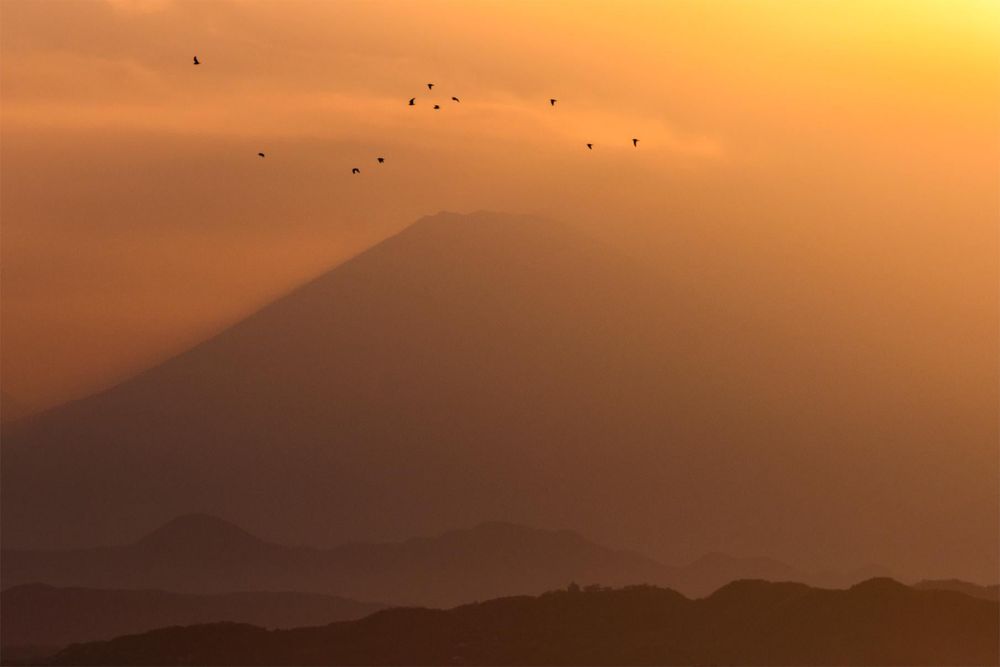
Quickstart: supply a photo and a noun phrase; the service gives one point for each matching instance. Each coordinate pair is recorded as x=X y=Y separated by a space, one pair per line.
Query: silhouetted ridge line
x=751 y=623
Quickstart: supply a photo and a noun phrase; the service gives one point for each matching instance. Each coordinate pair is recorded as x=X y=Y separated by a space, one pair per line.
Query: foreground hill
x=879 y=622
x=38 y=615
x=204 y=554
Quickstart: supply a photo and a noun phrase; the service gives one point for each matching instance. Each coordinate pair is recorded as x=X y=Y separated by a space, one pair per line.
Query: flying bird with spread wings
x=590 y=146
x=635 y=143
x=380 y=160
x=355 y=171
x=455 y=99
x=430 y=86
x=552 y=101
x=413 y=100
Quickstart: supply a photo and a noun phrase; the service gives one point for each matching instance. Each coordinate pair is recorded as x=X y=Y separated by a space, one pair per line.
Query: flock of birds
x=437 y=107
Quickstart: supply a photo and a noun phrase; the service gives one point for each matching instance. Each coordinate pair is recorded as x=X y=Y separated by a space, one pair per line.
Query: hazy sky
x=836 y=150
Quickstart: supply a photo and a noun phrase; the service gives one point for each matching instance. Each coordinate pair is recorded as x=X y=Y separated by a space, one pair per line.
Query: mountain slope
x=487 y=366
x=39 y=615
x=438 y=365
x=202 y=554
x=12 y=409
x=749 y=622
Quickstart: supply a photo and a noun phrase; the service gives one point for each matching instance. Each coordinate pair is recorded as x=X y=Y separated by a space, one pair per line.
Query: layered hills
x=878 y=622
x=203 y=554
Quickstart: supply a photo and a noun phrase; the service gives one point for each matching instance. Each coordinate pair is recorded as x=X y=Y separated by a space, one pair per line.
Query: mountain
x=461 y=359
x=968 y=588
x=201 y=533
x=878 y=622
x=510 y=367
x=39 y=615
x=204 y=554
x=471 y=366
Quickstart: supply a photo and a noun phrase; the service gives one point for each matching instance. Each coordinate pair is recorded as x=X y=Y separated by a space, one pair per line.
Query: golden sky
x=838 y=148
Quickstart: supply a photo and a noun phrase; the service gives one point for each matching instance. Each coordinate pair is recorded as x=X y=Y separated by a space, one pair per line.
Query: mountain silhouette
x=36 y=615
x=203 y=554
x=466 y=367
x=879 y=622
x=486 y=365
x=200 y=532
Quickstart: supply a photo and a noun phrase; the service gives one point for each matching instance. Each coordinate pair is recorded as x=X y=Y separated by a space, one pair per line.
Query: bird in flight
x=413 y=100
x=552 y=102
x=437 y=106
x=380 y=160
x=355 y=171
x=635 y=143
x=430 y=86
x=456 y=99
x=260 y=154
x=196 y=62
x=590 y=146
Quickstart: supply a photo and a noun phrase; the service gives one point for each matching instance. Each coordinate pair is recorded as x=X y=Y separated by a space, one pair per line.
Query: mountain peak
x=447 y=227
x=880 y=585
x=452 y=218
x=757 y=589
x=192 y=531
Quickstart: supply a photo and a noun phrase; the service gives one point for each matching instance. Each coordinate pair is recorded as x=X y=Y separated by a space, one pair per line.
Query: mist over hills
x=203 y=554
x=490 y=365
x=878 y=622
x=200 y=569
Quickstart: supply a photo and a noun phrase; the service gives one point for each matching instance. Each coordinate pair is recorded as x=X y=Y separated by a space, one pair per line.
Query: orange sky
x=839 y=149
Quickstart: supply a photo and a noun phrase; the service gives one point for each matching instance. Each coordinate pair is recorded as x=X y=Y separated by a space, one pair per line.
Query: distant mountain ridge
x=202 y=532
x=991 y=592
x=878 y=622
x=39 y=615
x=204 y=554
